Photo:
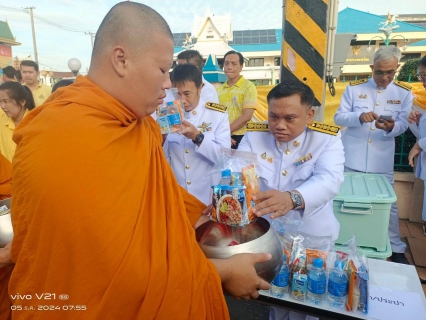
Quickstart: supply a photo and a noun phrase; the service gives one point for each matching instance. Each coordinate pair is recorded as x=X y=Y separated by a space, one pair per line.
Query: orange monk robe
x=5 y=192
x=101 y=218
x=5 y=178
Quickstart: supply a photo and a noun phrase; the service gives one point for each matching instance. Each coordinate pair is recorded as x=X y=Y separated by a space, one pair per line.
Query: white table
x=383 y=274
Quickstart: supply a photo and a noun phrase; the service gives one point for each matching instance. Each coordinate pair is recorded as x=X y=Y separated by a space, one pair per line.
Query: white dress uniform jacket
x=192 y=164
x=367 y=148
x=311 y=164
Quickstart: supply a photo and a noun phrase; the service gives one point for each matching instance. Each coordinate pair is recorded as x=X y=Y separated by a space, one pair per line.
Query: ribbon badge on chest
x=303 y=159
x=394 y=101
x=205 y=127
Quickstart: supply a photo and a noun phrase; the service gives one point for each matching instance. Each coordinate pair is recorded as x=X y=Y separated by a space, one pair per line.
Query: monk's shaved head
x=128 y=24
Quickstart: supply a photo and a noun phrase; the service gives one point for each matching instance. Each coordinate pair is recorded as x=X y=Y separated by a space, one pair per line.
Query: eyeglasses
x=421 y=77
x=384 y=73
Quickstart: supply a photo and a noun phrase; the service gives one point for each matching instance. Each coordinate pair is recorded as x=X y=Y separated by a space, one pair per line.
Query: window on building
x=408 y=56
x=257 y=62
x=277 y=61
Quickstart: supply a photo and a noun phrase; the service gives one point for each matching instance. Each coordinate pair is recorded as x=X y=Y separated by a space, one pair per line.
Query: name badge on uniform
x=303 y=159
x=394 y=101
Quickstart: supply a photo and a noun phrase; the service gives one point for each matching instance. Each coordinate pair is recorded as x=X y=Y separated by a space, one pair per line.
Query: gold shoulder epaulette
x=404 y=85
x=355 y=83
x=257 y=126
x=215 y=106
x=324 y=128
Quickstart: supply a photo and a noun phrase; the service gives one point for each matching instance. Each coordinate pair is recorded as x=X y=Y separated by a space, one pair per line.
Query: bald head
x=129 y=24
x=132 y=56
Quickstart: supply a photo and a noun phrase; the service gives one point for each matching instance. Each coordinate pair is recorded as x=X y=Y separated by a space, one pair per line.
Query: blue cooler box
x=362 y=207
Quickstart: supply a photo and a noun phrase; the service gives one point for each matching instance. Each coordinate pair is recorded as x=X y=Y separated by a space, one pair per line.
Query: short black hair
x=422 y=62
x=18 y=93
x=292 y=87
x=62 y=83
x=9 y=71
x=30 y=63
x=240 y=56
x=187 y=73
x=193 y=57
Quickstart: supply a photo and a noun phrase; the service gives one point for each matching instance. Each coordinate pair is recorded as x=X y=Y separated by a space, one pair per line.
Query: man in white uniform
x=369 y=139
x=193 y=153
x=300 y=165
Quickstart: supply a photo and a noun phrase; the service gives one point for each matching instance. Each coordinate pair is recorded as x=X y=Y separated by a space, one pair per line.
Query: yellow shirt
x=7 y=127
x=242 y=95
x=41 y=93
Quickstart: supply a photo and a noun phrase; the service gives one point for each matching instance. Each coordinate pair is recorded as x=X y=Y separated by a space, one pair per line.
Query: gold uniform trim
x=355 y=83
x=324 y=128
x=402 y=85
x=256 y=126
x=216 y=106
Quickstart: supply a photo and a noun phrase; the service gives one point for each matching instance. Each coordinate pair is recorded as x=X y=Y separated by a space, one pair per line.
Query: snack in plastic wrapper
x=288 y=231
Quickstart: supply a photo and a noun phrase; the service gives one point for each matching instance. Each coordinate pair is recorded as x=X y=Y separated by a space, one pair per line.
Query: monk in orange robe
x=5 y=178
x=5 y=262
x=102 y=228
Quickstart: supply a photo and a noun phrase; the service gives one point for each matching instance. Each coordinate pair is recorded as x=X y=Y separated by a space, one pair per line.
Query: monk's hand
x=414 y=117
x=414 y=152
x=368 y=116
x=5 y=256
x=208 y=210
x=189 y=130
x=273 y=201
x=239 y=276
x=385 y=125
x=233 y=142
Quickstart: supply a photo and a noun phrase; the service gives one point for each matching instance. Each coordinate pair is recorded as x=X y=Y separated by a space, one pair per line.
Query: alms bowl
x=220 y=241
x=6 y=230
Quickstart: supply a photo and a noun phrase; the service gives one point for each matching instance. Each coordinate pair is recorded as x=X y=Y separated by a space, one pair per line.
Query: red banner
x=5 y=51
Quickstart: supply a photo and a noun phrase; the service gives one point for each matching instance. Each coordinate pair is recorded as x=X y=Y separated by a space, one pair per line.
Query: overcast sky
x=56 y=46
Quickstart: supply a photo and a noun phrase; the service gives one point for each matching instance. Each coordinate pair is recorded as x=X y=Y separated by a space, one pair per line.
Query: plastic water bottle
x=279 y=286
x=338 y=285
x=317 y=282
x=226 y=177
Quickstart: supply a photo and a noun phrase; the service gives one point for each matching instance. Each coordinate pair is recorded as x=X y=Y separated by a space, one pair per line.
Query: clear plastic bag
x=170 y=114
x=287 y=230
x=358 y=275
x=234 y=187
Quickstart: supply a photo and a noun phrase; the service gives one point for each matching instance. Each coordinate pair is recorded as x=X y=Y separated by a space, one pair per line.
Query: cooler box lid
x=366 y=188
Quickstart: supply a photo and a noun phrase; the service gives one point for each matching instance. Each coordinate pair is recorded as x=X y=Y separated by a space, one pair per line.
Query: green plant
x=409 y=68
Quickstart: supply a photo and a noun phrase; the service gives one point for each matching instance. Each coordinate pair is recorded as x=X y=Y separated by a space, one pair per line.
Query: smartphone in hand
x=387 y=118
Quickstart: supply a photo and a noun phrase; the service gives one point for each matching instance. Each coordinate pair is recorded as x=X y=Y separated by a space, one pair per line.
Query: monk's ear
x=119 y=60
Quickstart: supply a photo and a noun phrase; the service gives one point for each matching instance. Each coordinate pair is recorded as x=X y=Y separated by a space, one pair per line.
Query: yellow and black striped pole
x=304 y=45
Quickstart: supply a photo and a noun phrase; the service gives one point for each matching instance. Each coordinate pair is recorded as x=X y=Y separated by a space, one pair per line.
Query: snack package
x=170 y=114
x=299 y=274
x=317 y=247
x=358 y=278
x=288 y=232
x=232 y=194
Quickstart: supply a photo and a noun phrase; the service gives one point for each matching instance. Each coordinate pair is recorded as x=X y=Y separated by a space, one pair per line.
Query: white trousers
x=394 y=236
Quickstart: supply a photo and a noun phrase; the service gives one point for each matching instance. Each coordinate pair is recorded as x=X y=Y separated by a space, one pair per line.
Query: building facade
x=213 y=35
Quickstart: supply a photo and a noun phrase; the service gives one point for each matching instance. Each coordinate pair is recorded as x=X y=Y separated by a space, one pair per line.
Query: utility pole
x=91 y=37
x=34 y=37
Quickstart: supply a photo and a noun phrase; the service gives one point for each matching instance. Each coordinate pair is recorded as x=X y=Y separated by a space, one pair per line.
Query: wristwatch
x=297 y=199
x=198 y=138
